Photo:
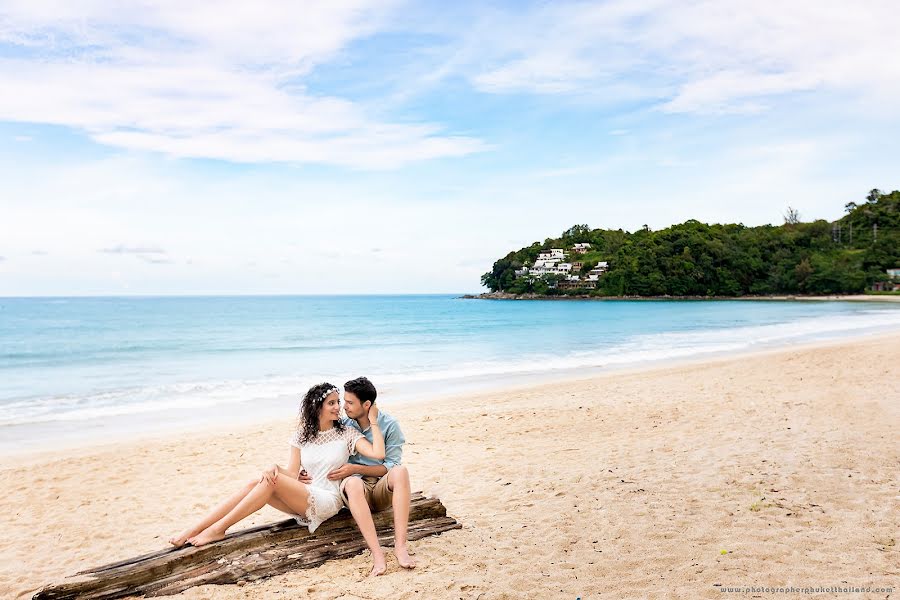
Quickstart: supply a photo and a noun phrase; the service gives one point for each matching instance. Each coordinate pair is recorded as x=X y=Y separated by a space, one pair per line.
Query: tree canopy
x=697 y=259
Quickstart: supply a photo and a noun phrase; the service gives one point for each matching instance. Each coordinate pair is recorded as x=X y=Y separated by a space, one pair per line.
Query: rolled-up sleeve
x=393 y=446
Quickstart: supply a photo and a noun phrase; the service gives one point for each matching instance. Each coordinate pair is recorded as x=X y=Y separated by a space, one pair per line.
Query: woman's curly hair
x=308 y=422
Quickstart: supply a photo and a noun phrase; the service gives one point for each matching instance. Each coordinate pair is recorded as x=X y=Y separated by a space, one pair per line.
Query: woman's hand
x=269 y=475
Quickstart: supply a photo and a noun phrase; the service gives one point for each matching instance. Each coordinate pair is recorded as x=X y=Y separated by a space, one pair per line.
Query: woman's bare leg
x=287 y=493
x=217 y=513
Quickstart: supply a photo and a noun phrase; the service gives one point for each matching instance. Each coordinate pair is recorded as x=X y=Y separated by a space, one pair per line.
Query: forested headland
x=844 y=256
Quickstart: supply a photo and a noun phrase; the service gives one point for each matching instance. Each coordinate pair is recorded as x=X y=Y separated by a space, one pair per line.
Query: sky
x=351 y=147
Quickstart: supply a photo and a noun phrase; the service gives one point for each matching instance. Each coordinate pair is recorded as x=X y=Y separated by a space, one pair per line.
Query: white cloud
x=205 y=79
x=147 y=253
x=697 y=56
x=136 y=249
x=271 y=32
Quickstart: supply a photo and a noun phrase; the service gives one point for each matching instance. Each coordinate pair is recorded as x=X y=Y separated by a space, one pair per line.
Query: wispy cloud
x=208 y=79
x=154 y=260
x=147 y=253
x=697 y=56
x=125 y=249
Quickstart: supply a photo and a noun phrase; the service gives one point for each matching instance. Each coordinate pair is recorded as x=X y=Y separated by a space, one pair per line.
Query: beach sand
x=625 y=485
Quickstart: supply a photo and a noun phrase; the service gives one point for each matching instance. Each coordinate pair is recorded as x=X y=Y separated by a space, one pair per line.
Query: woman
x=325 y=445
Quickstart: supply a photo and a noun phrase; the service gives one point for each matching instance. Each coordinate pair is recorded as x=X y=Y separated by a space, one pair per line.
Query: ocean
x=79 y=370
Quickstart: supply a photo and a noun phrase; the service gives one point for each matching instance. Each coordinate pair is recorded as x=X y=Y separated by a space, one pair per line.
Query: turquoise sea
x=85 y=369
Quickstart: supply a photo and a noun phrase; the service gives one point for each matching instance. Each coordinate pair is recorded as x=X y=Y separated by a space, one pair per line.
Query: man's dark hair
x=362 y=388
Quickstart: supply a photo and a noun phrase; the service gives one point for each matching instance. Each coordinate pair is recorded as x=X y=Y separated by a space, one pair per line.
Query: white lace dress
x=321 y=455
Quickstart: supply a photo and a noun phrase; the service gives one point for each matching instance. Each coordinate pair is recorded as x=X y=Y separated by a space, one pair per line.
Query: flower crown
x=330 y=390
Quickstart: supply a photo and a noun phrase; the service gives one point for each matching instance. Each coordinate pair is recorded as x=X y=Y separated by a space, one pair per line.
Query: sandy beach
x=773 y=469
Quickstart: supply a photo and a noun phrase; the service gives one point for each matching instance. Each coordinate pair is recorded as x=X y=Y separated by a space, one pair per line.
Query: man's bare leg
x=398 y=483
x=359 y=508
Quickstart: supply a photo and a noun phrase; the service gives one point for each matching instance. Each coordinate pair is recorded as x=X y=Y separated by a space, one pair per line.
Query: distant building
x=888 y=286
x=548 y=263
x=572 y=282
x=546 y=258
x=600 y=269
x=576 y=266
x=581 y=248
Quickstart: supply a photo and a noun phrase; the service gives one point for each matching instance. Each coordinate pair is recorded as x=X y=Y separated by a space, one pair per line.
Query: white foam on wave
x=654 y=347
x=639 y=349
x=151 y=399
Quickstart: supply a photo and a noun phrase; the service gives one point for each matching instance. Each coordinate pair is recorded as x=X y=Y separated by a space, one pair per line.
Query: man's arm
x=393 y=446
x=350 y=469
x=372 y=470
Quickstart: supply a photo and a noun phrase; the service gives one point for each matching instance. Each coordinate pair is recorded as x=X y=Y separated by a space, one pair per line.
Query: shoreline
x=766 y=469
x=777 y=298
x=246 y=418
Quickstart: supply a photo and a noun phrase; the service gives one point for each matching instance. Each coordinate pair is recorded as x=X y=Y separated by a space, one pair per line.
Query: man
x=375 y=485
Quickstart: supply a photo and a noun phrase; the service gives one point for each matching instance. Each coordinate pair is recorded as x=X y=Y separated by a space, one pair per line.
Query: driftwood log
x=246 y=555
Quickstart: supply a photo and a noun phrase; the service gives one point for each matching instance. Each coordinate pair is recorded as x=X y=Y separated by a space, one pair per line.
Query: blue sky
x=387 y=147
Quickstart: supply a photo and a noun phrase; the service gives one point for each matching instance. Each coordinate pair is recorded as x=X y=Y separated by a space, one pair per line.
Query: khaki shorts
x=378 y=494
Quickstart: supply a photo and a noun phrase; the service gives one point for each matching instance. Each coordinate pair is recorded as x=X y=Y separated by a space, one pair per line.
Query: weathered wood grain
x=246 y=555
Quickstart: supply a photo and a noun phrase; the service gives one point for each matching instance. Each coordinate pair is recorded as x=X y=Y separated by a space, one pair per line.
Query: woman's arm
x=293 y=468
x=375 y=450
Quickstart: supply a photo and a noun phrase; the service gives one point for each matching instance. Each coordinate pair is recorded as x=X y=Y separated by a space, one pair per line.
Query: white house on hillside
x=549 y=263
x=600 y=269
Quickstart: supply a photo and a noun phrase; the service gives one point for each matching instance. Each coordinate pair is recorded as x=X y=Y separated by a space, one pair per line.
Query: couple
x=353 y=461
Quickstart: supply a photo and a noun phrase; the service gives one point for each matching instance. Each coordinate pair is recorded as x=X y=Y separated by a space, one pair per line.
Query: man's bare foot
x=379 y=566
x=207 y=536
x=404 y=558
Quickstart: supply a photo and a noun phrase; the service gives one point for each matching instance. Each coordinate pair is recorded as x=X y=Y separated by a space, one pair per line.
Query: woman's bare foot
x=404 y=558
x=207 y=536
x=181 y=539
x=379 y=565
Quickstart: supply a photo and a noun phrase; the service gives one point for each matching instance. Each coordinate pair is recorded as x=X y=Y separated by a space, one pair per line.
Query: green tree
x=694 y=258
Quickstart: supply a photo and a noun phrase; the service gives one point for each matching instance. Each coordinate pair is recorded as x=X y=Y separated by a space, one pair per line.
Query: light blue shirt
x=393 y=442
